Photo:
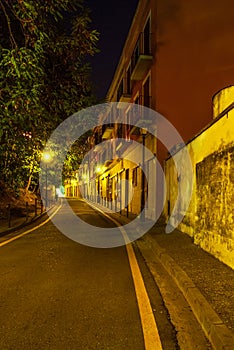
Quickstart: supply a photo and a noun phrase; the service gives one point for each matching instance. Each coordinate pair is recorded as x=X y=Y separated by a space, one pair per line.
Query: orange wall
x=195 y=59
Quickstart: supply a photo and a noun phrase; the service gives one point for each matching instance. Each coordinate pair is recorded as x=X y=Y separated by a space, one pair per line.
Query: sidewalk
x=18 y=222
x=213 y=278
x=206 y=283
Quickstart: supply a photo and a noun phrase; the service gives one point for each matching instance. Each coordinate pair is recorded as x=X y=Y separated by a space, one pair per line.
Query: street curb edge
x=214 y=328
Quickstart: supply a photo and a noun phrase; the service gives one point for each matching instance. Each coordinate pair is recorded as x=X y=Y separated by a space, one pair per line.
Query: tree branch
x=12 y=39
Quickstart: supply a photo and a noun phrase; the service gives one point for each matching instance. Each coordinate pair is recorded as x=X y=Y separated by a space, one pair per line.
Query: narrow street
x=117 y=175
x=58 y=294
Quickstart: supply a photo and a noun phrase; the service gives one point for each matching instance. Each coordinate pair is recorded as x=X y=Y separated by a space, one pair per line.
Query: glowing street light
x=46 y=157
x=100 y=169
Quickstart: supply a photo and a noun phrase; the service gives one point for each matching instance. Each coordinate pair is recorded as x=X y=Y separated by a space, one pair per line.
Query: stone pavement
x=206 y=283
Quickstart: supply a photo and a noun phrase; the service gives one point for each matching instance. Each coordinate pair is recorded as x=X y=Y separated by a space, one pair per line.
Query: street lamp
x=143 y=133
x=46 y=157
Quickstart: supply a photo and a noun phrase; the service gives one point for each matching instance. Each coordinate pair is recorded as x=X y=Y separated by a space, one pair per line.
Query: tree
x=76 y=155
x=44 y=77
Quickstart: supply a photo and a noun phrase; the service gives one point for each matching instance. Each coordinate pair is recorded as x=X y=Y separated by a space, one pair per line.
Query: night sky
x=112 y=20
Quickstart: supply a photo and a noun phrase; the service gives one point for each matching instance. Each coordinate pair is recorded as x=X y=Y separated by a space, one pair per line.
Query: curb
x=215 y=330
x=24 y=224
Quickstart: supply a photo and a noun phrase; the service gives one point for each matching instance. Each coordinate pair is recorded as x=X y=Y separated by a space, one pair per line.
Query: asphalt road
x=58 y=294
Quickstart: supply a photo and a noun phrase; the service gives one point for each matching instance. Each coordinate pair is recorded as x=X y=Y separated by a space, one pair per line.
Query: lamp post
x=98 y=170
x=143 y=133
x=46 y=158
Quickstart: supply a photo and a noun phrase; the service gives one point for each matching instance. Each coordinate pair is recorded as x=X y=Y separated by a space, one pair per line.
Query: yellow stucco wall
x=222 y=100
x=210 y=216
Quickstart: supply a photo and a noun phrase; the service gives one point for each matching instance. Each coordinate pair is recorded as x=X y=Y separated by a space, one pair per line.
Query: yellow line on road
x=30 y=230
x=149 y=327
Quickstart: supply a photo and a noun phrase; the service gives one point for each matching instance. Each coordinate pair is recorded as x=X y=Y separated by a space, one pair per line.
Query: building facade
x=166 y=64
x=176 y=56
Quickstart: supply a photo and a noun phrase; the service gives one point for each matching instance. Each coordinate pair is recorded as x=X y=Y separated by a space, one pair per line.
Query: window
x=134 y=177
x=120 y=90
x=146 y=92
x=136 y=53
x=120 y=130
x=147 y=46
x=142 y=48
x=128 y=81
x=127 y=126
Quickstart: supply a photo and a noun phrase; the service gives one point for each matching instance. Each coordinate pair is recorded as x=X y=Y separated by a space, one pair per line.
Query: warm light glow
x=27 y=134
x=100 y=169
x=46 y=157
x=143 y=131
x=73 y=182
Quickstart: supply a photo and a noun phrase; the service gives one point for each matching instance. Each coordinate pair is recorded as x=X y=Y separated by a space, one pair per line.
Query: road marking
x=30 y=230
x=149 y=327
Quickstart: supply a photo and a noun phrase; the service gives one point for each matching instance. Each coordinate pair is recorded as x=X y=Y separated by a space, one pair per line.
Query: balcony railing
x=107 y=131
x=142 y=58
x=123 y=93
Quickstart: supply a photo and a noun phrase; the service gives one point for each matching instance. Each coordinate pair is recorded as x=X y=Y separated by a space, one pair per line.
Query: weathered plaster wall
x=210 y=216
x=215 y=204
x=222 y=100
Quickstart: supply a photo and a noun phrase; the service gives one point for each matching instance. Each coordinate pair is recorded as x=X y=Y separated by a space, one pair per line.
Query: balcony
x=108 y=163
x=123 y=94
x=134 y=132
x=125 y=98
x=107 y=131
x=142 y=58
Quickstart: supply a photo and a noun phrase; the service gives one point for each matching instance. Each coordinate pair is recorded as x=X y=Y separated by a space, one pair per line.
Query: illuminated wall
x=222 y=100
x=210 y=217
x=121 y=183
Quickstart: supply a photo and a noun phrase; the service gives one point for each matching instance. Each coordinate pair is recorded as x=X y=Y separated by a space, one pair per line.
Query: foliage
x=75 y=155
x=44 y=77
